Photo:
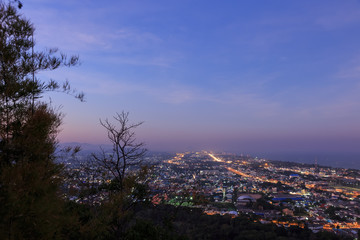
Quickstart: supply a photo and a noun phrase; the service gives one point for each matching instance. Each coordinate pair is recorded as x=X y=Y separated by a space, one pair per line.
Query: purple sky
x=238 y=76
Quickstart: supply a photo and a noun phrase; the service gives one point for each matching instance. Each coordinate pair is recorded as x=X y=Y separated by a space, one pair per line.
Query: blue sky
x=240 y=76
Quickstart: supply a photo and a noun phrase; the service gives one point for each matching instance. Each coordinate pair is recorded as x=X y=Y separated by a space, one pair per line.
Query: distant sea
x=331 y=159
x=338 y=160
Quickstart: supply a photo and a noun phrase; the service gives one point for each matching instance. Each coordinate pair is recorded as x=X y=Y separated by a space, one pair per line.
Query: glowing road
x=215 y=158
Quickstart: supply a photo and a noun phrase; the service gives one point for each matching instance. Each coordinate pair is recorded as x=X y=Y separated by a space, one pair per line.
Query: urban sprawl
x=285 y=193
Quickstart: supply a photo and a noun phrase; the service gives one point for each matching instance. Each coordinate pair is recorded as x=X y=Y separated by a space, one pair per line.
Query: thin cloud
x=131 y=34
x=339 y=16
x=349 y=72
x=84 y=32
x=163 y=60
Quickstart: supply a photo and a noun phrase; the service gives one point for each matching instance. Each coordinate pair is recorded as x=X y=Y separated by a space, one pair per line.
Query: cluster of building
x=288 y=194
x=284 y=193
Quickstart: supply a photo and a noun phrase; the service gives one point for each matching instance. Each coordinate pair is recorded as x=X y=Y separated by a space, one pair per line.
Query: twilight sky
x=240 y=76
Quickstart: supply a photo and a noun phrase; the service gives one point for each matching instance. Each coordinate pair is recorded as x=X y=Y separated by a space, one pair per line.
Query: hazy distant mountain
x=92 y=148
x=85 y=146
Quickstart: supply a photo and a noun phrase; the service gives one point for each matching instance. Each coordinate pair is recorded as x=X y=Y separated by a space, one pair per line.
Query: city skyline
x=234 y=76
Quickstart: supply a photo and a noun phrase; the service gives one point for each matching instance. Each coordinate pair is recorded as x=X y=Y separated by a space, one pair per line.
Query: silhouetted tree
x=126 y=151
x=20 y=89
x=31 y=206
x=125 y=188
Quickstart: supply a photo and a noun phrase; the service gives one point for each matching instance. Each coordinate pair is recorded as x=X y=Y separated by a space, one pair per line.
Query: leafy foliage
x=31 y=204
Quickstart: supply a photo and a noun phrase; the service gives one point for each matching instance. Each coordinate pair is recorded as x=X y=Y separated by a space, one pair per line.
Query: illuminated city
x=286 y=194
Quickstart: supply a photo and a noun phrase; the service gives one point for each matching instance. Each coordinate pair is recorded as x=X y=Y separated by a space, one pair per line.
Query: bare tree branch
x=126 y=151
